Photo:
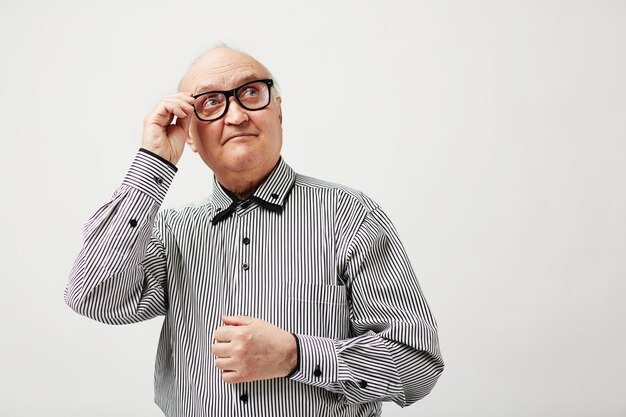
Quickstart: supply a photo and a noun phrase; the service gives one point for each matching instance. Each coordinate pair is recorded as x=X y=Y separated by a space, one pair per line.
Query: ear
x=190 y=141
x=279 y=100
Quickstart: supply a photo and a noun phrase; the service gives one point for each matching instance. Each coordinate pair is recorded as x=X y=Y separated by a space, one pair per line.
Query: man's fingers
x=225 y=364
x=180 y=109
x=181 y=100
x=223 y=334
x=177 y=111
x=221 y=350
x=181 y=97
x=170 y=106
x=231 y=377
x=237 y=320
x=160 y=116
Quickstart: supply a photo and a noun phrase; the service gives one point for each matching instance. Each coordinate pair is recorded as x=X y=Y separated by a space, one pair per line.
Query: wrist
x=159 y=157
x=293 y=356
x=167 y=151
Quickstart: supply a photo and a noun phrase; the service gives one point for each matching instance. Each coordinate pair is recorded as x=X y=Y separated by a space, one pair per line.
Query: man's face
x=243 y=143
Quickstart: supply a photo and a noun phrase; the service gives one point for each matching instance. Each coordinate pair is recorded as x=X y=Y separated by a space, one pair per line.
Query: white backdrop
x=492 y=133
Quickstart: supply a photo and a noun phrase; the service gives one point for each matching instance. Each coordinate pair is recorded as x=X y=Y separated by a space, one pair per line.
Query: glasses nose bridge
x=240 y=107
x=235 y=94
x=231 y=93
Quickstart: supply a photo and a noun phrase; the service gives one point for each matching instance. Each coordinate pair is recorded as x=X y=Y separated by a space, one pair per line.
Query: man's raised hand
x=159 y=135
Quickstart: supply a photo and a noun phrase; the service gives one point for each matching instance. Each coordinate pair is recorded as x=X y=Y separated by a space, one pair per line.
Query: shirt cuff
x=317 y=361
x=150 y=174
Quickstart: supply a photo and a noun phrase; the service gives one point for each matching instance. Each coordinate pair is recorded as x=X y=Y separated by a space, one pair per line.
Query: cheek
x=277 y=132
x=205 y=135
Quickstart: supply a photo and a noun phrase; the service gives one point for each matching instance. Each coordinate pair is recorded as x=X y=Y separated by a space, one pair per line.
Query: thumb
x=237 y=320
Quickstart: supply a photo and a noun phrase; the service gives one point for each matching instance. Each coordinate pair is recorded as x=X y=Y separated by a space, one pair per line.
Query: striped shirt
x=319 y=260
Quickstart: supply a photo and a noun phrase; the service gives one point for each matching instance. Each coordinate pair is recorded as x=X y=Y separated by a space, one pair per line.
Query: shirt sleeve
x=395 y=354
x=120 y=274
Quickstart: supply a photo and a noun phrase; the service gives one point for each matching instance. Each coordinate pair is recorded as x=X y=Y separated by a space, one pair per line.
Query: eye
x=212 y=100
x=250 y=92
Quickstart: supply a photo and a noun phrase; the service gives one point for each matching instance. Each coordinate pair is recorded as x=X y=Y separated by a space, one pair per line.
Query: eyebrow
x=205 y=88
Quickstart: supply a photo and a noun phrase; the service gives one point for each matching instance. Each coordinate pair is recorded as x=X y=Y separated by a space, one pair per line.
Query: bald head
x=220 y=62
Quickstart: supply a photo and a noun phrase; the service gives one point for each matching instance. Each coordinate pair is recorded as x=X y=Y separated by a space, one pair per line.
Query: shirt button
x=245 y=204
x=317 y=372
x=132 y=222
x=158 y=180
x=363 y=384
x=246 y=240
x=219 y=209
x=244 y=398
x=245 y=267
x=274 y=196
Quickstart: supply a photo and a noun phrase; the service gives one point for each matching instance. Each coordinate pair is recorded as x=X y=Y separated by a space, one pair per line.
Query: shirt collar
x=271 y=194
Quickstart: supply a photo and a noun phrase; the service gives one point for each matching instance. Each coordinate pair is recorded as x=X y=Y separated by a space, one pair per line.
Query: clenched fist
x=250 y=349
x=162 y=137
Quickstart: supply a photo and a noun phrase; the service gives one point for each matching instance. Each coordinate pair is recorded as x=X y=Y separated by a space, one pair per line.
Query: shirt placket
x=242 y=394
x=241 y=259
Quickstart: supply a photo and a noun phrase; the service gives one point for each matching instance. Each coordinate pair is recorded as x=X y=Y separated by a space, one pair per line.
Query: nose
x=236 y=114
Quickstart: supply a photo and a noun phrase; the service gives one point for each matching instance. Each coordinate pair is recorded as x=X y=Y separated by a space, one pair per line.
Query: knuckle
x=241 y=349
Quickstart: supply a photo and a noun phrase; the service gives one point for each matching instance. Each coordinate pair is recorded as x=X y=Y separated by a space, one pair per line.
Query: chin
x=244 y=159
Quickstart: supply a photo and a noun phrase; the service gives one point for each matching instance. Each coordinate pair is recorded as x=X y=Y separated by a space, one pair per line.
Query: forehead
x=222 y=70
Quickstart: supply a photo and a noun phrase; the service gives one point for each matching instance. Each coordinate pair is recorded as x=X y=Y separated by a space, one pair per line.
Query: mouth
x=239 y=135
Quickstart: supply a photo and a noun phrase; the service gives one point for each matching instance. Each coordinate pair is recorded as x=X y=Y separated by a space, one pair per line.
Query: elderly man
x=282 y=294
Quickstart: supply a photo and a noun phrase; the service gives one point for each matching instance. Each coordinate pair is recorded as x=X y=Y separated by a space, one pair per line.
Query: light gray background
x=492 y=132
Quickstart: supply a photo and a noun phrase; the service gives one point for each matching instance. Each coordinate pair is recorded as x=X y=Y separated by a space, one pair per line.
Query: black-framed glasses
x=212 y=105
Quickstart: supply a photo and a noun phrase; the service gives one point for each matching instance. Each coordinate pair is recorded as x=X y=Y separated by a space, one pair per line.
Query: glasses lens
x=210 y=106
x=254 y=96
